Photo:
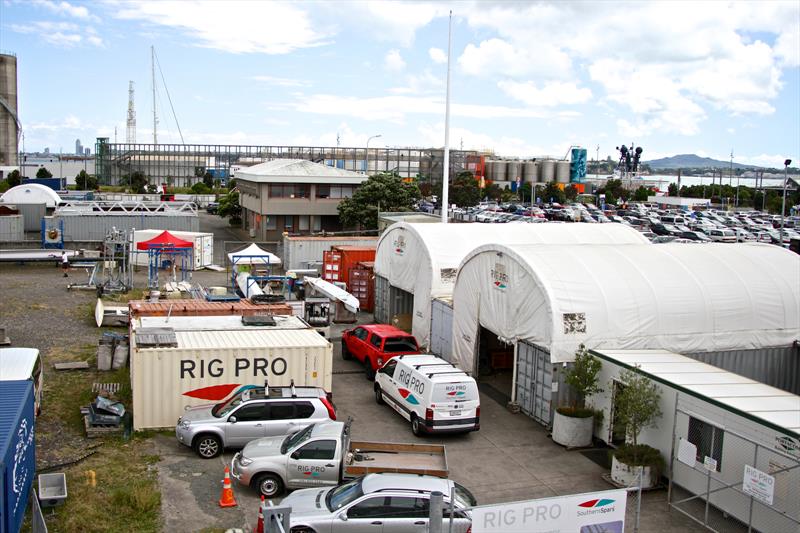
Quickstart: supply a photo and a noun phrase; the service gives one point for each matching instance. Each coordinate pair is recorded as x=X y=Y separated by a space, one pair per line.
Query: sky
x=527 y=79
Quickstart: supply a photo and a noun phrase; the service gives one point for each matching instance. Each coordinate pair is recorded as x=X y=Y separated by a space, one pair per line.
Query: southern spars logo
x=597 y=506
x=410 y=398
x=399 y=245
x=499 y=276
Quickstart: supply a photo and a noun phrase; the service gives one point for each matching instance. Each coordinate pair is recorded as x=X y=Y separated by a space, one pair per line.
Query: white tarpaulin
x=253 y=255
x=334 y=293
x=686 y=298
x=423 y=259
x=249 y=288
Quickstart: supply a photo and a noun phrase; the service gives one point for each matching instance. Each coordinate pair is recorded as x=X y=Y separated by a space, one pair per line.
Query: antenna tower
x=130 y=133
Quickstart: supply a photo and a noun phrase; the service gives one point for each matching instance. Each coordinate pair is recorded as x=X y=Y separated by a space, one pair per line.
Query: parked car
x=391 y=503
x=212 y=207
x=250 y=414
x=665 y=229
x=721 y=235
x=695 y=236
x=661 y=239
x=432 y=394
x=372 y=345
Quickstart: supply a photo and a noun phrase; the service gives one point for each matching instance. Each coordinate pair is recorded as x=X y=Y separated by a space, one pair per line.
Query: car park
x=372 y=345
x=432 y=394
x=250 y=414
x=390 y=503
x=721 y=235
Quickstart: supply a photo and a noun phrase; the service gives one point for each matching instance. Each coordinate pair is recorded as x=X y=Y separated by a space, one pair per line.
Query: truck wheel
x=378 y=395
x=416 y=428
x=346 y=355
x=269 y=485
x=369 y=372
x=208 y=446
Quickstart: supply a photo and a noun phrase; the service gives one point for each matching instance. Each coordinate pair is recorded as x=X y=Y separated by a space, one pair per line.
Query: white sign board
x=576 y=513
x=687 y=452
x=710 y=463
x=758 y=484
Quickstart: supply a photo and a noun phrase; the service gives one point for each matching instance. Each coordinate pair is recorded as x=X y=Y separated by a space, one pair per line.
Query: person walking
x=64 y=263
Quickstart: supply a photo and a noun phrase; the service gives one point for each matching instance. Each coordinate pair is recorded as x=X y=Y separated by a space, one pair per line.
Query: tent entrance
x=495 y=366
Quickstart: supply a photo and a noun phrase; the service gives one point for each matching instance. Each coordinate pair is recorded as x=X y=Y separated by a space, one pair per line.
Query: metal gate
x=400 y=302
x=534 y=381
x=728 y=481
x=381 y=312
x=442 y=329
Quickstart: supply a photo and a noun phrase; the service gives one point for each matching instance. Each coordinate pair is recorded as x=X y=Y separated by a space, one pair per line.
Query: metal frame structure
x=78 y=207
x=154 y=256
x=185 y=164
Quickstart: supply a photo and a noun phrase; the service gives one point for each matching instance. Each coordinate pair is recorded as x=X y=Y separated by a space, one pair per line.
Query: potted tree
x=636 y=406
x=573 y=424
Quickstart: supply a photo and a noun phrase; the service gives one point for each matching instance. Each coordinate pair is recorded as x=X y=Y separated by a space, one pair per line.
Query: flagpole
x=446 y=173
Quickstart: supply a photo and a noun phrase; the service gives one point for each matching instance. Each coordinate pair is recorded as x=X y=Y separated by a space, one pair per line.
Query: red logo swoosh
x=213 y=393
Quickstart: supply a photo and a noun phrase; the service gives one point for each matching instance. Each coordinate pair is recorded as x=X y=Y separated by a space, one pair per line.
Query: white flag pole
x=446 y=173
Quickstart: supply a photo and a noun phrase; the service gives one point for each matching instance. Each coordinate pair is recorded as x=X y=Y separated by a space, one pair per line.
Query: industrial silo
x=488 y=169
x=8 y=110
x=529 y=172
x=514 y=170
x=500 y=170
x=562 y=171
x=547 y=171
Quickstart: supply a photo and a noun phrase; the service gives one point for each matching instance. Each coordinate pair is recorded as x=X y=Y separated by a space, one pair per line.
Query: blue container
x=17 y=452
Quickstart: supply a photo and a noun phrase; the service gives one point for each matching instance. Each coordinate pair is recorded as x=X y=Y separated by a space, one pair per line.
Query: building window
x=323 y=191
x=288 y=223
x=270 y=222
x=302 y=223
x=289 y=190
x=317 y=223
x=336 y=192
x=708 y=440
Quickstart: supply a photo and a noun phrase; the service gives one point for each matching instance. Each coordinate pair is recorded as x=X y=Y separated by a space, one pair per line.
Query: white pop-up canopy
x=253 y=255
x=334 y=293
x=423 y=259
x=687 y=298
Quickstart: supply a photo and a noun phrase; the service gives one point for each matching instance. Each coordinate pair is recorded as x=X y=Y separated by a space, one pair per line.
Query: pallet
x=112 y=388
x=94 y=432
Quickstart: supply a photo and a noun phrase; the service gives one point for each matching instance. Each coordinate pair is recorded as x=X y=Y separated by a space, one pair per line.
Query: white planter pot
x=629 y=475
x=573 y=432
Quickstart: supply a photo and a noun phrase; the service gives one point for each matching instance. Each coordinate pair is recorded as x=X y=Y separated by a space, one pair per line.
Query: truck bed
x=372 y=457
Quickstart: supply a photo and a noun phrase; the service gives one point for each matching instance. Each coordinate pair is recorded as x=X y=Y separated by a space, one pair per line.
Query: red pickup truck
x=375 y=344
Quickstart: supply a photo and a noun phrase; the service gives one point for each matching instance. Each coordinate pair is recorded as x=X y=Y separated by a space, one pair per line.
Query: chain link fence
x=731 y=476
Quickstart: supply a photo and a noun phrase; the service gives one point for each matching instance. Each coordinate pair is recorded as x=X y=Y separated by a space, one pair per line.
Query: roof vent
x=258 y=320
x=156 y=338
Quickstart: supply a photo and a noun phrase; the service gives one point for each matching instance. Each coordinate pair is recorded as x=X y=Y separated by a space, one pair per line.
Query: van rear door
x=455 y=405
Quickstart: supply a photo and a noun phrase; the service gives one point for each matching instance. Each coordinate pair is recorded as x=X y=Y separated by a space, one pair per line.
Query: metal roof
x=213 y=323
x=17 y=364
x=203 y=308
x=297 y=171
x=256 y=338
x=744 y=396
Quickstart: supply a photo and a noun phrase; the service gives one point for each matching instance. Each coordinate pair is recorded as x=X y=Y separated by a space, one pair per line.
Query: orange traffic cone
x=260 y=524
x=227 y=499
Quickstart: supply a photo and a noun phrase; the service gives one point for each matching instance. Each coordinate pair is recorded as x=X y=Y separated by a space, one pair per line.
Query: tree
x=464 y=190
x=672 y=190
x=571 y=193
x=641 y=194
x=637 y=405
x=85 y=182
x=493 y=192
x=385 y=192
x=614 y=190
x=13 y=178
x=137 y=182
x=524 y=192
x=200 y=188
x=208 y=180
x=582 y=377
x=552 y=193
x=43 y=173
x=230 y=208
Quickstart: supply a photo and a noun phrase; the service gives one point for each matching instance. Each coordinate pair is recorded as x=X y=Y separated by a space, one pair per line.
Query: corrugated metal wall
x=84 y=228
x=297 y=252
x=12 y=228
x=32 y=214
x=534 y=382
x=381 y=312
x=442 y=329
x=778 y=367
x=400 y=302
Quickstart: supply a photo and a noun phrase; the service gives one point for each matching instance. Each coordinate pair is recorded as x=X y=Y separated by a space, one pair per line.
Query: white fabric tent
x=686 y=298
x=253 y=255
x=31 y=193
x=423 y=259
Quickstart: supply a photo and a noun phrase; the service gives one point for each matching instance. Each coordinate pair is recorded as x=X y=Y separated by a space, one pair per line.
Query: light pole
x=366 y=168
x=783 y=203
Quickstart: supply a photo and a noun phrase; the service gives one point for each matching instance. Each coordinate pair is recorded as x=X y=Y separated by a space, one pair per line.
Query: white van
x=20 y=364
x=429 y=392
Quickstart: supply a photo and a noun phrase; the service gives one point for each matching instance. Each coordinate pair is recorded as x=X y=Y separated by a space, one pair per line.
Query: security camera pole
x=783 y=203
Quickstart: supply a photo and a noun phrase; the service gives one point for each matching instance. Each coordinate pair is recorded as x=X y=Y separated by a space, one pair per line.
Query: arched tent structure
x=165 y=239
x=31 y=193
x=415 y=263
x=689 y=299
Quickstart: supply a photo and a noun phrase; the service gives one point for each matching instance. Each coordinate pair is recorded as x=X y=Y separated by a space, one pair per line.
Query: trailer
x=728 y=440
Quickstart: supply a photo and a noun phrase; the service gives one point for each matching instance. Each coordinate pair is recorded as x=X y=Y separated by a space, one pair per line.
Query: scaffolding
x=183 y=165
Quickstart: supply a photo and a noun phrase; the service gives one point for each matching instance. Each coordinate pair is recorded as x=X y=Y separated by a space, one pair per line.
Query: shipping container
x=442 y=327
x=362 y=285
x=137 y=308
x=202 y=252
x=17 y=452
x=300 y=251
x=341 y=259
x=174 y=368
x=86 y=227
x=12 y=228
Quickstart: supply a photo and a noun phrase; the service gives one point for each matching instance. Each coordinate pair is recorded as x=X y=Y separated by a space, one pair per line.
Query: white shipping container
x=202 y=253
x=165 y=380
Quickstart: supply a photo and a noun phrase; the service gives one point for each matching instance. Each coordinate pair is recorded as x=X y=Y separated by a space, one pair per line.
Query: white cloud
x=498 y=57
x=393 y=21
x=281 y=82
x=550 y=95
x=67 y=9
x=394 y=61
x=62 y=34
x=437 y=55
x=236 y=26
x=423 y=83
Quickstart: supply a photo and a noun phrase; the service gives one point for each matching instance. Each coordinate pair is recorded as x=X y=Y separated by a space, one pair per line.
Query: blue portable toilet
x=17 y=452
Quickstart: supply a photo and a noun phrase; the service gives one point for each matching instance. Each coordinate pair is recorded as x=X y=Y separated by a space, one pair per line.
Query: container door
x=208 y=250
x=381 y=300
x=442 y=330
x=534 y=381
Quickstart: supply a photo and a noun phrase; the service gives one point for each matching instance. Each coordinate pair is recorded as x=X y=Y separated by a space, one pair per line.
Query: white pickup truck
x=323 y=455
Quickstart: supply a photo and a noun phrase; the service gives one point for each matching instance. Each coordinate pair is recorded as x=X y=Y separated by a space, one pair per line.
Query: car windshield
x=222 y=409
x=295 y=439
x=400 y=344
x=464 y=498
x=344 y=494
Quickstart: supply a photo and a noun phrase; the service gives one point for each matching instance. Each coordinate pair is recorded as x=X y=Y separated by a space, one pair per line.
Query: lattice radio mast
x=130 y=132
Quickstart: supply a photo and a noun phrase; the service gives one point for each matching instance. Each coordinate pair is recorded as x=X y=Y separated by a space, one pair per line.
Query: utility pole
x=783 y=203
x=597 y=162
x=130 y=132
x=153 y=68
x=446 y=169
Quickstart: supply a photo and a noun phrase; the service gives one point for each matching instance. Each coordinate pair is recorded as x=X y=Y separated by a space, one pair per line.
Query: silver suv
x=394 y=503
x=250 y=414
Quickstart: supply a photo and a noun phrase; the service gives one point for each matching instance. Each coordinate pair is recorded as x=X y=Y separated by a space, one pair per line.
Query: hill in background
x=692 y=161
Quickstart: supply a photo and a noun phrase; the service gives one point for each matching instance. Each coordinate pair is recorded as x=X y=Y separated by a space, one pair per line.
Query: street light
x=783 y=203
x=366 y=168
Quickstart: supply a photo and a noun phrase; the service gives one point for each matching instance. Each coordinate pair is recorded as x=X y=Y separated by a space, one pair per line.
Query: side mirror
x=232 y=419
x=295 y=455
x=342 y=517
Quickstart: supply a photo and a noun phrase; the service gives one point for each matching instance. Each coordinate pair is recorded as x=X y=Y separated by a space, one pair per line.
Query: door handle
x=377 y=523
x=420 y=523
x=258 y=425
x=330 y=465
